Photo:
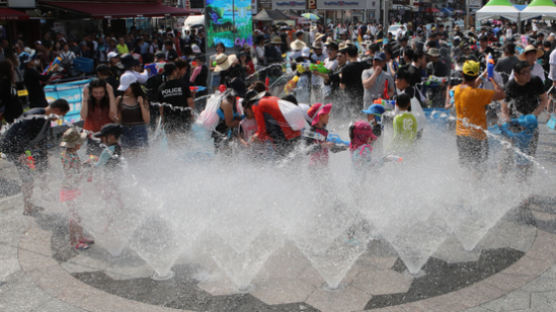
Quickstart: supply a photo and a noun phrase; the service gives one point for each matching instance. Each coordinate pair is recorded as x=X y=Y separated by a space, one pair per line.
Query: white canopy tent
x=498 y=9
x=539 y=8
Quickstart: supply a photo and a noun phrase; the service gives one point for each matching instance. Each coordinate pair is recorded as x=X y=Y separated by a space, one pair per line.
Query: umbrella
x=310 y=16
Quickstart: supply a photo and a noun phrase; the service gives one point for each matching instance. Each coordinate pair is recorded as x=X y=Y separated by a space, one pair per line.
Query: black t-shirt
x=351 y=78
x=416 y=75
x=523 y=99
x=22 y=133
x=175 y=92
x=32 y=80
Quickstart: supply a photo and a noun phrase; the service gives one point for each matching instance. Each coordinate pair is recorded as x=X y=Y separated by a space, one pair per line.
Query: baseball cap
x=374 y=109
x=471 y=68
x=126 y=80
x=108 y=129
x=195 y=49
x=112 y=55
x=380 y=57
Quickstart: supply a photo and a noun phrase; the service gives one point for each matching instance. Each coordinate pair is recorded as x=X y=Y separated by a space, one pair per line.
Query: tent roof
x=270 y=15
x=498 y=9
x=543 y=3
x=499 y=3
x=539 y=8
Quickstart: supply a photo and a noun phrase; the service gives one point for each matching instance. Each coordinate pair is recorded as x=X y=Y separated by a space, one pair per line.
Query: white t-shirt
x=552 y=73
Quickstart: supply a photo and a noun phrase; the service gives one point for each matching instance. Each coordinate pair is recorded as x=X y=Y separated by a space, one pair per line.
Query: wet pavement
x=514 y=271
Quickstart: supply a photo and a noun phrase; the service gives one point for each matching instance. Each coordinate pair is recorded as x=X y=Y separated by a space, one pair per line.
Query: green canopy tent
x=498 y=9
x=539 y=8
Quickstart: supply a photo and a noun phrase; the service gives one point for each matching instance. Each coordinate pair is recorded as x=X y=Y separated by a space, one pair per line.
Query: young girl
x=317 y=135
x=71 y=164
x=361 y=136
x=133 y=112
x=248 y=125
x=97 y=109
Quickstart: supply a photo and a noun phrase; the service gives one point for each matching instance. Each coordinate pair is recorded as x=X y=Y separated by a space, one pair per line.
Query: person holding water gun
x=33 y=80
x=524 y=95
x=24 y=144
x=470 y=103
x=377 y=83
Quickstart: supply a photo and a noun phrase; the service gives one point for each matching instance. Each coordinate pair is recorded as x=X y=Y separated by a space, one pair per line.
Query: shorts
x=472 y=151
x=27 y=173
x=134 y=136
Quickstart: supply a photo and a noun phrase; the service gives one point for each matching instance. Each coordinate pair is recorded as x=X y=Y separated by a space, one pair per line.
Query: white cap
x=126 y=80
x=111 y=55
x=306 y=52
x=195 y=48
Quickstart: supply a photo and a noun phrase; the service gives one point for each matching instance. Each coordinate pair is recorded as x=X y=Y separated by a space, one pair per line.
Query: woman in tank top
x=98 y=108
x=133 y=113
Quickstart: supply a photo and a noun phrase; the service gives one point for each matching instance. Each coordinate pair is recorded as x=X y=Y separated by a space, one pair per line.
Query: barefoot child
x=71 y=164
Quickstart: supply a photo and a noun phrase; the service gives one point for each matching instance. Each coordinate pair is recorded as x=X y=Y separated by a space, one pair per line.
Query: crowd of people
x=488 y=77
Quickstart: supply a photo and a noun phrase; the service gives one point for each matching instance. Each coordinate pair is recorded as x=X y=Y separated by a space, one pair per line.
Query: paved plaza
x=512 y=269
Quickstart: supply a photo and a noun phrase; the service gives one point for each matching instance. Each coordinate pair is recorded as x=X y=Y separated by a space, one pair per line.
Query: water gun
x=386 y=96
x=154 y=68
x=318 y=67
x=29 y=160
x=435 y=81
x=392 y=158
x=490 y=65
x=520 y=130
x=301 y=68
x=290 y=85
x=336 y=139
x=57 y=61
x=388 y=104
x=197 y=88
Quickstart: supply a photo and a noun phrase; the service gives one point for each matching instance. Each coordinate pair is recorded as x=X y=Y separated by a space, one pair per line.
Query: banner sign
x=289 y=4
x=311 y=4
x=341 y=4
x=229 y=22
x=71 y=92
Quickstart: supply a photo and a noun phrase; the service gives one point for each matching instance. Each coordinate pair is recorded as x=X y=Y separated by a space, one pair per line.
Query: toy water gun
x=525 y=126
x=339 y=144
x=385 y=91
x=29 y=160
x=57 y=61
x=490 y=65
x=301 y=68
x=393 y=158
x=319 y=67
x=336 y=139
x=291 y=84
x=388 y=104
x=435 y=81
x=154 y=68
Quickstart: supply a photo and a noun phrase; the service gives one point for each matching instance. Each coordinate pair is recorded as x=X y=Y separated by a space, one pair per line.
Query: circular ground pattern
x=378 y=279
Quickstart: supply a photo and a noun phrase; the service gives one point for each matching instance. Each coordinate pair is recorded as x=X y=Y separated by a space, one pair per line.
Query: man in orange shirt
x=470 y=103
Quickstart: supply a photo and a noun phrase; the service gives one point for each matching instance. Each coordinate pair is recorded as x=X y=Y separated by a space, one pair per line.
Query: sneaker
x=81 y=246
x=87 y=241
